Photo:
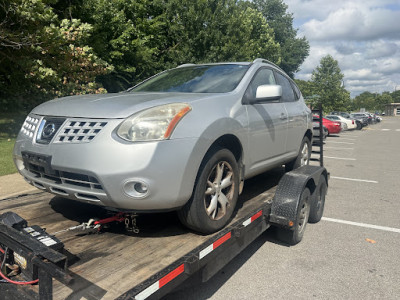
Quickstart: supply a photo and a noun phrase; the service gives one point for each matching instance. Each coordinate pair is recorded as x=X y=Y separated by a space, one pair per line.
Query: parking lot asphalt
x=351 y=254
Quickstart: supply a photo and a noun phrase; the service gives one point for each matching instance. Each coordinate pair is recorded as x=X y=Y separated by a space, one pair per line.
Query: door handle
x=284 y=116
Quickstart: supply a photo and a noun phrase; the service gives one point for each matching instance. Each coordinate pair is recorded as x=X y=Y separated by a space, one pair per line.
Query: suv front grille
x=48 y=129
x=78 y=131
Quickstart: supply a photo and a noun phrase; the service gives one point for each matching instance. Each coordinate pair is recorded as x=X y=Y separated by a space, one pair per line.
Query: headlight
x=29 y=126
x=153 y=124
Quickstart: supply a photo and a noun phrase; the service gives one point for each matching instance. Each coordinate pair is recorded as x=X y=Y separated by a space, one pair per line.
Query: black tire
x=303 y=157
x=359 y=126
x=204 y=212
x=318 y=201
x=295 y=235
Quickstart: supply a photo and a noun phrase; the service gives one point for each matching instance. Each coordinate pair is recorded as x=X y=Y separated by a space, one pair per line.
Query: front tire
x=215 y=193
x=303 y=158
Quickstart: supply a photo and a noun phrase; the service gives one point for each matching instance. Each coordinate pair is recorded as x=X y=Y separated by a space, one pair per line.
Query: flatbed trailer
x=117 y=264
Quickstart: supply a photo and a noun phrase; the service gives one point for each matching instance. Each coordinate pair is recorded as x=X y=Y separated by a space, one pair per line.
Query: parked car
x=316 y=133
x=363 y=118
x=358 y=123
x=185 y=140
x=350 y=124
x=333 y=127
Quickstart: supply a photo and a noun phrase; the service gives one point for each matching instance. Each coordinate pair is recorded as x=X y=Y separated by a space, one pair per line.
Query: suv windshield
x=196 y=79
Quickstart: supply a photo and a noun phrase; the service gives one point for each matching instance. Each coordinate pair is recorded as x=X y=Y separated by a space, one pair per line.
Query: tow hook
x=98 y=225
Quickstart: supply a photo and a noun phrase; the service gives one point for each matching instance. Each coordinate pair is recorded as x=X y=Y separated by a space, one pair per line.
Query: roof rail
x=185 y=65
x=262 y=60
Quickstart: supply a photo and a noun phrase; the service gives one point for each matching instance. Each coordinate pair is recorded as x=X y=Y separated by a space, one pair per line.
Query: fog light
x=136 y=188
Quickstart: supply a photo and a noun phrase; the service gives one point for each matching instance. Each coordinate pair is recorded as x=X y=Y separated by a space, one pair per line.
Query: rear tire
x=295 y=235
x=303 y=158
x=215 y=193
x=318 y=201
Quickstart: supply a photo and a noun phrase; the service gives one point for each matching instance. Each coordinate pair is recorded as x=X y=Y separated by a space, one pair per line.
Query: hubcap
x=219 y=191
x=304 y=212
x=304 y=155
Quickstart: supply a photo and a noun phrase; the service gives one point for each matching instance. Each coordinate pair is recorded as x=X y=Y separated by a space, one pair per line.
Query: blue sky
x=362 y=35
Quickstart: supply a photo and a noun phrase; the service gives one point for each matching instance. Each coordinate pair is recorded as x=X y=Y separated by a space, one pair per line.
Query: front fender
x=210 y=135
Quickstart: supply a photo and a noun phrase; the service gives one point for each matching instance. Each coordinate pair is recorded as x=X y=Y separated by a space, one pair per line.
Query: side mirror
x=268 y=93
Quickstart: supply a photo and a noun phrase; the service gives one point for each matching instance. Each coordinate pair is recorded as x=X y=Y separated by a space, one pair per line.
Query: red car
x=332 y=126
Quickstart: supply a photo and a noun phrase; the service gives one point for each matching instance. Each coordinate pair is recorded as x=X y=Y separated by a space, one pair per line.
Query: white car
x=347 y=124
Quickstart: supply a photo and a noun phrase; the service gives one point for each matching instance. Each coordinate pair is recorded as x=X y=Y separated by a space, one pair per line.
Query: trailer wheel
x=318 y=201
x=303 y=158
x=215 y=193
x=295 y=235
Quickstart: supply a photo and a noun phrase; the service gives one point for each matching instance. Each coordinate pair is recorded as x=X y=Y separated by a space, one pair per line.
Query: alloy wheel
x=219 y=191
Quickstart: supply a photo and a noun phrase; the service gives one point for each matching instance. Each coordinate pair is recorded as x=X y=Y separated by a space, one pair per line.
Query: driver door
x=267 y=128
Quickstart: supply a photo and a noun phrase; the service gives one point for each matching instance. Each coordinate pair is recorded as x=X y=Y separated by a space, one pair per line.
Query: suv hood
x=109 y=106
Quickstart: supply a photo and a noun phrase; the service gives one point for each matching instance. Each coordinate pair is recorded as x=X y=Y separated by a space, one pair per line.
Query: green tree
x=42 y=57
x=381 y=101
x=395 y=96
x=372 y=101
x=294 y=49
x=328 y=81
x=307 y=88
x=365 y=100
x=309 y=92
x=140 y=38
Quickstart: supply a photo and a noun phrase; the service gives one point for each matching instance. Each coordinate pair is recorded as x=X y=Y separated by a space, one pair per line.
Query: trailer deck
x=121 y=264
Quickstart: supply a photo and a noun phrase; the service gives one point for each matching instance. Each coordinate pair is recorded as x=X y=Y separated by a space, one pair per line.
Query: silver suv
x=185 y=140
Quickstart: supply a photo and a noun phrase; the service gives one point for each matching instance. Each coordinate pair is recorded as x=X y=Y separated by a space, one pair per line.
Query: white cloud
x=354 y=23
x=362 y=74
x=362 y=35
x=382 y=49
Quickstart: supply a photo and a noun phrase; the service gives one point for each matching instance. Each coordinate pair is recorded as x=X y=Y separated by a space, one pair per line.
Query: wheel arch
x=230 y=142
x=212 y=138
x=309 y=134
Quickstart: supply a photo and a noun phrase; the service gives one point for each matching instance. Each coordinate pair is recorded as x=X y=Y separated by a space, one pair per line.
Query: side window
x=287 y=90
x=296 y=90
x=263 y=76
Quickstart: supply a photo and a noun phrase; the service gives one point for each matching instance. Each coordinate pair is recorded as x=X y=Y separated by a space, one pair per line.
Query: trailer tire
x=295 y=235
x=318 y=201
x=303 y=157
x=205 y=211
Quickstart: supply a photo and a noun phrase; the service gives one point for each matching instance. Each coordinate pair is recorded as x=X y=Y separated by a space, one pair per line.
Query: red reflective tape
x=256 y=216
x=173 y=274
x=222 y=240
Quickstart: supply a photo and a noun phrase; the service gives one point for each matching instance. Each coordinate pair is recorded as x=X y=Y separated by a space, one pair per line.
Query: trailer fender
x=287 y=197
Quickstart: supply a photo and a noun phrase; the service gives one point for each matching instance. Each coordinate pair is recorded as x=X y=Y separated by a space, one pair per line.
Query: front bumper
x=107 y=170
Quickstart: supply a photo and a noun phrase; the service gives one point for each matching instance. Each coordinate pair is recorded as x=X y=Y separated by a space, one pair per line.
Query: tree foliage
x=42 y=57
x=53 y=48
x=372 y=101
x=294 y=49
x=327 y=80
x=144 y=37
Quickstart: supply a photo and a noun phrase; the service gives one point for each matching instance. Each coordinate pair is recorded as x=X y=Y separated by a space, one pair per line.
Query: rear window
x=196 y=79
